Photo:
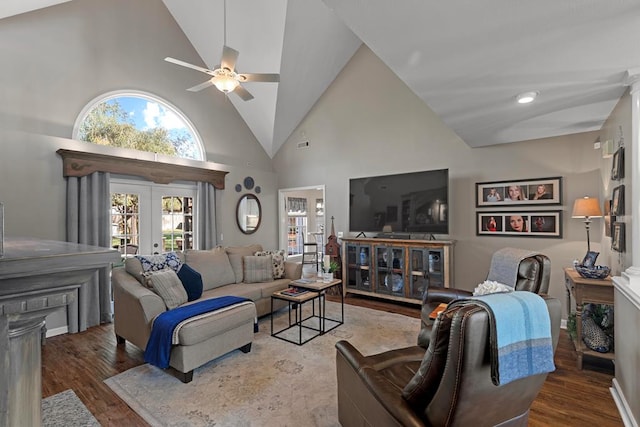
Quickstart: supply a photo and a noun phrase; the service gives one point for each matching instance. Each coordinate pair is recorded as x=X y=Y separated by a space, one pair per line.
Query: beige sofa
x=224 y=271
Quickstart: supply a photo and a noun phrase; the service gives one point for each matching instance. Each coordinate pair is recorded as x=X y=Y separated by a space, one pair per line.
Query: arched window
x=140 y=121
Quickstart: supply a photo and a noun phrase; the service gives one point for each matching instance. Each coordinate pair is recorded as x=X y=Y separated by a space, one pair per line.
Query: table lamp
x=587 y=208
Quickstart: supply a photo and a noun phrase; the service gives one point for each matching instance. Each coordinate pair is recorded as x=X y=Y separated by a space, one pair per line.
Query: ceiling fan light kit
x=527 y=97
x=225 y=80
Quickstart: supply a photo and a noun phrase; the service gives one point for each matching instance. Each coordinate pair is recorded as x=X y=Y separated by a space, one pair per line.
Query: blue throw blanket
x=520 y=338
x=158 y=348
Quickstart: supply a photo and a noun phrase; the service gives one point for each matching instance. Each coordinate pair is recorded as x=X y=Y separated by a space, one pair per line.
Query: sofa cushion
x=213 y=265
x=277 y=258
x=268 y=288
x=257 y=269
x=216 y=323
x=254 y=293
x=167 y=284
x=235 y=257
x=192 y=282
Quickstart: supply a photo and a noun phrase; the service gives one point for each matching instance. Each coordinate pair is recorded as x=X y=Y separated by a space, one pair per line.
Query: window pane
x=125 y=223
x=140 y=122
x=177 y=223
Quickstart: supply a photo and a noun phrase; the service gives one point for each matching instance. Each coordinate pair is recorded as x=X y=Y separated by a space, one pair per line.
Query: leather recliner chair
x=455 y=383
x=533 y=275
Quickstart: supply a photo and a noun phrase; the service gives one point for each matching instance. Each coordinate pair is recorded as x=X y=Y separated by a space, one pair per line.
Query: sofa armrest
x=292 y=270
x=134 y=307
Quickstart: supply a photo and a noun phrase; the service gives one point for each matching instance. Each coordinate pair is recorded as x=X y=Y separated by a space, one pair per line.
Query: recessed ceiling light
x=527 y=97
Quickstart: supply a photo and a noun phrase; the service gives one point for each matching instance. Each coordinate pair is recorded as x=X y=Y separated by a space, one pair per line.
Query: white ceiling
x=466 y=59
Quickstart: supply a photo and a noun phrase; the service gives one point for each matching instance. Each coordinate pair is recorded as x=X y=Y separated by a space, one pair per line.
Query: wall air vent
x=304 y=144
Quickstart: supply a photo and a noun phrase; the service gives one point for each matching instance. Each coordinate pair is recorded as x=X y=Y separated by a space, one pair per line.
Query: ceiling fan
x=225 y=77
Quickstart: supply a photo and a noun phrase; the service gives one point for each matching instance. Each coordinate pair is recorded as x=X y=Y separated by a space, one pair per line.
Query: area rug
x=65 y=409
x=276 y=384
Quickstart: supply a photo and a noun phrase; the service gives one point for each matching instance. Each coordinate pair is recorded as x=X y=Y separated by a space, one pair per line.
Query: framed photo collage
x=514 y=208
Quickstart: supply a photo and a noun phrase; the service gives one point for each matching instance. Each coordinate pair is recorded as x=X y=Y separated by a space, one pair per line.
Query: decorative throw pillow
x=424 y=384
x=167 y=284
x=160 y=262
x=278 y=261
x=192 y=282
x=491 y=287
x=235 y=258
x=257 y=269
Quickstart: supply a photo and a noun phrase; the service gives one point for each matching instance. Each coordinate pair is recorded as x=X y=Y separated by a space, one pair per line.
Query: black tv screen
x=416 y=202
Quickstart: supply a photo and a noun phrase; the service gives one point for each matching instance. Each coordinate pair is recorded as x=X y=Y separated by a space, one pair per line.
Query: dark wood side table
x=586 y=291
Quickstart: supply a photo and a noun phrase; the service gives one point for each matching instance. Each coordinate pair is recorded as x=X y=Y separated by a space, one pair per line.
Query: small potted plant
x=328 y=271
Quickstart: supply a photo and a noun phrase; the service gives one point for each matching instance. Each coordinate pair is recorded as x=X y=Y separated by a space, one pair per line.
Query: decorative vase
x=327 y=277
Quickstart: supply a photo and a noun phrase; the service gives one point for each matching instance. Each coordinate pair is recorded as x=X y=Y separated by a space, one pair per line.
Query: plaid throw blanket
x=520 y=334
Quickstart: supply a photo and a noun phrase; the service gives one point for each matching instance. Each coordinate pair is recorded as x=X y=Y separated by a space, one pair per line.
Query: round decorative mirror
x=248 y=213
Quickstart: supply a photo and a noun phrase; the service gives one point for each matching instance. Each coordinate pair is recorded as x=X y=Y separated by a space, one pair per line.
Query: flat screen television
x=416 y=202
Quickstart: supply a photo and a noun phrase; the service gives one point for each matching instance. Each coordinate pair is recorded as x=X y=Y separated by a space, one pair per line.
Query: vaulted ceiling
x=467 y=60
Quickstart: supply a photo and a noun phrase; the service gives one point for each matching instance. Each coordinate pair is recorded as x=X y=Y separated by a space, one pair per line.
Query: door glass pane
x=177 y=223
x=125 y=223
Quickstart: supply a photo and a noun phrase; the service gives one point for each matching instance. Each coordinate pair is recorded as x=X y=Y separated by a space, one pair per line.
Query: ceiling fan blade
x=229 y=58
x=186 y=64
x=201 y=86
x=253 y=77
x=243 y=93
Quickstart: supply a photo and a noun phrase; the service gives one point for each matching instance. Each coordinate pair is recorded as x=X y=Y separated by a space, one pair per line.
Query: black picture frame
x=617 y=166
x=617 y=201
x=590 y=259
x=618 y=237
x=545 y=224
x=608 y=218
x=496 y=193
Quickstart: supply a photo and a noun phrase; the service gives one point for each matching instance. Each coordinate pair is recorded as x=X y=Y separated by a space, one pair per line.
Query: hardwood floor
x=82 y=362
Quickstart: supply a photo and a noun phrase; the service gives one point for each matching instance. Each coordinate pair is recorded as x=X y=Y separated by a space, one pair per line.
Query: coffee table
x=316 y=292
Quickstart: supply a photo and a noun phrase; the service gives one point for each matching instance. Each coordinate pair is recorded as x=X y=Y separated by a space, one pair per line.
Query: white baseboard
x=623 y=407
x=57 y=331
x=563 y=324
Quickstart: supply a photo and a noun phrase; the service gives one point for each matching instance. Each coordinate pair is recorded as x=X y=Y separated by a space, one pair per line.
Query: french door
x=151 y=218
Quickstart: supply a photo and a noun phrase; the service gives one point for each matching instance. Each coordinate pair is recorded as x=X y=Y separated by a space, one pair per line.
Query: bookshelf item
x=396 y=269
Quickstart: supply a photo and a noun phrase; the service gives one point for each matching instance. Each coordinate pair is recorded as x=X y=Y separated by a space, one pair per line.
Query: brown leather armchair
x=454 y=388
x=533 y=274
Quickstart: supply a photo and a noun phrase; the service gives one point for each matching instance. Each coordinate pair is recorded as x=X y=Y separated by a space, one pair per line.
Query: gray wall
x=57 y=59
x=369 y=123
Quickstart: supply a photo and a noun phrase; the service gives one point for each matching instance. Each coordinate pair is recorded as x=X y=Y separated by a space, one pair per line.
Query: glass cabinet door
x=418 y=269
x=389 y=270
x=358 y=271
x=436 y=267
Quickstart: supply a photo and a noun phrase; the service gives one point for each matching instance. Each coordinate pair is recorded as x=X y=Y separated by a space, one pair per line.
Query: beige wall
x=369 y=123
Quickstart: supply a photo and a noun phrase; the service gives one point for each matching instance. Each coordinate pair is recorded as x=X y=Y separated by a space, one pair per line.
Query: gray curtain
x=206 y=217
x=89 y=222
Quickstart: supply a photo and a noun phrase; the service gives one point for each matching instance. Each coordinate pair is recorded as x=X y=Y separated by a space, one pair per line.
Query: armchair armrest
x=439 y=295
x=356 y=375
